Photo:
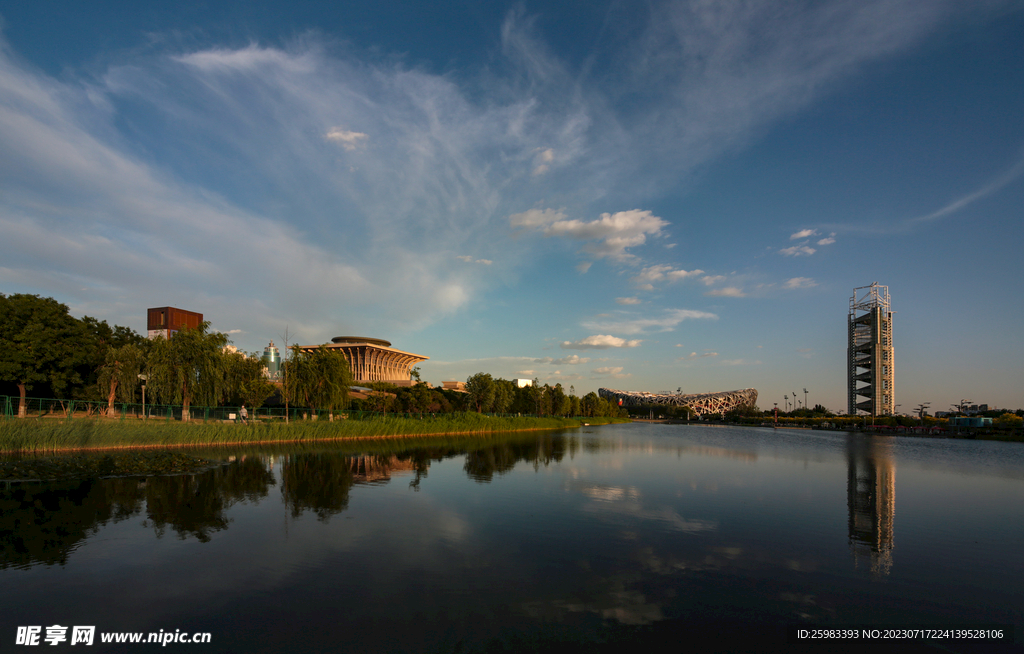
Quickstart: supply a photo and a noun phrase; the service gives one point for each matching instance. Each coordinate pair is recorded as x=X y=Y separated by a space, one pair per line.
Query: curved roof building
x=373 y=359
x=700 y=403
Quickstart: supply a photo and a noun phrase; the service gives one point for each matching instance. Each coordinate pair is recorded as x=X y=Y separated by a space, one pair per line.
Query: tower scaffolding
x=870 y=364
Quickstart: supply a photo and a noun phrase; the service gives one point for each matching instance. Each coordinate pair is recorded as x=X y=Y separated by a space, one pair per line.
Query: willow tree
x=119 y=375
x=318 y=379
x=188 y=367
x=245 y=379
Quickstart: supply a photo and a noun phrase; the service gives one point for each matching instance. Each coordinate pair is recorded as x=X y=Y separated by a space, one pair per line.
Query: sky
x=639 y=196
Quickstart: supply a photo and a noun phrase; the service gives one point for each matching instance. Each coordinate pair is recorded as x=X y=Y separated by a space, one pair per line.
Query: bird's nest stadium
x=700 y=403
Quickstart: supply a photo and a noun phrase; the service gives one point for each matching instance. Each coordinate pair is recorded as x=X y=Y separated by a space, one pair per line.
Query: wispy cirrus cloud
x=570 y=360
x=140 y=160
x=740 y=362
x=349 y=140
x=627 y=324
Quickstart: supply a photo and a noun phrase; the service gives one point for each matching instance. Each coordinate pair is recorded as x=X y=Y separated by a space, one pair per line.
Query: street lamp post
x=786 y=397
x=920 y=411
x=805 y=399
x=144 y=379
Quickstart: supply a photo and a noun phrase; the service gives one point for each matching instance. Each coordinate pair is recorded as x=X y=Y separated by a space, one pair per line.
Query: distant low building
x=454 y=386
x=522 y=383
x=970 y=421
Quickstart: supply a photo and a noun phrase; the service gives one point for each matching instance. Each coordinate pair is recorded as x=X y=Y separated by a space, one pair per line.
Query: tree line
x=47 y=352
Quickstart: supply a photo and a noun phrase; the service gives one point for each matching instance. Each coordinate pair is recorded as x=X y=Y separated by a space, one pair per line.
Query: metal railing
x=48 y=408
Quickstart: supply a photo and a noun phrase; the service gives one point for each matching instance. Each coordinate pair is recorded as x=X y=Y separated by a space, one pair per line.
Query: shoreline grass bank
x=31 y=436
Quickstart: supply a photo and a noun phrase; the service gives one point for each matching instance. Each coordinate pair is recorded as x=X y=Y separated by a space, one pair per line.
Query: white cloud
x=804 y=233
x=826 y=241
x=662 y=272
x=728 y=291
x=739 y=362
x=628 y=300
x=610 y=235
x=543 y=161
x=711 y=280
x=349 y=140
x=607 y=370
x=797 y=250
x=799 y=282
x=666 y=322
x=584 y=266
x=703 y=355
x=599 y=342
x=90 y=202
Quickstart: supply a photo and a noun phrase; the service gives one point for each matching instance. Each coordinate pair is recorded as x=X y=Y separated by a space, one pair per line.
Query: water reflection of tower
x=871 y=501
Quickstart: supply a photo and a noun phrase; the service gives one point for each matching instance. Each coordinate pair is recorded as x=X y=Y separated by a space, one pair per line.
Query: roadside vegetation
x=83 y=434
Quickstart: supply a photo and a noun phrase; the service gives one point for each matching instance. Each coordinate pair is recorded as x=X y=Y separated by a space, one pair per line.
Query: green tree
x=481 y=391
x=40 y=343
x=244 y=380
x=504 y=394
x=119 y=375
x=559 y=401
x=1009 y=421
x=318 y=379
x=99 y=339
x=188 y=367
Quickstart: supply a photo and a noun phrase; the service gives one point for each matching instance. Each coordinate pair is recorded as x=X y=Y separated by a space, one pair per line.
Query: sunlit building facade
x=374 y=360
x=164 y=322
x=870 y=364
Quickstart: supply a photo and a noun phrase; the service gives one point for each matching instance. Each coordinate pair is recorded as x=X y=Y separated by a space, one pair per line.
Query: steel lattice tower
x=869 y=355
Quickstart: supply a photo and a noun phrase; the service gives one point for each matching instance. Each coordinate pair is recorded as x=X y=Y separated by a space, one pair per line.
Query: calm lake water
x=670 y=537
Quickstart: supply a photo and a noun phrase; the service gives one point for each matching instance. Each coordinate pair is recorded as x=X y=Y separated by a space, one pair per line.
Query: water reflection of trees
x=871 y=500
x=482 y=464
x=195 y=505
x=45 y=522
x=316 y=482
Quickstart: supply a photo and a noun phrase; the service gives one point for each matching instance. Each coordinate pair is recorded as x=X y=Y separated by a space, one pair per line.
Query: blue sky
x=644 y=197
